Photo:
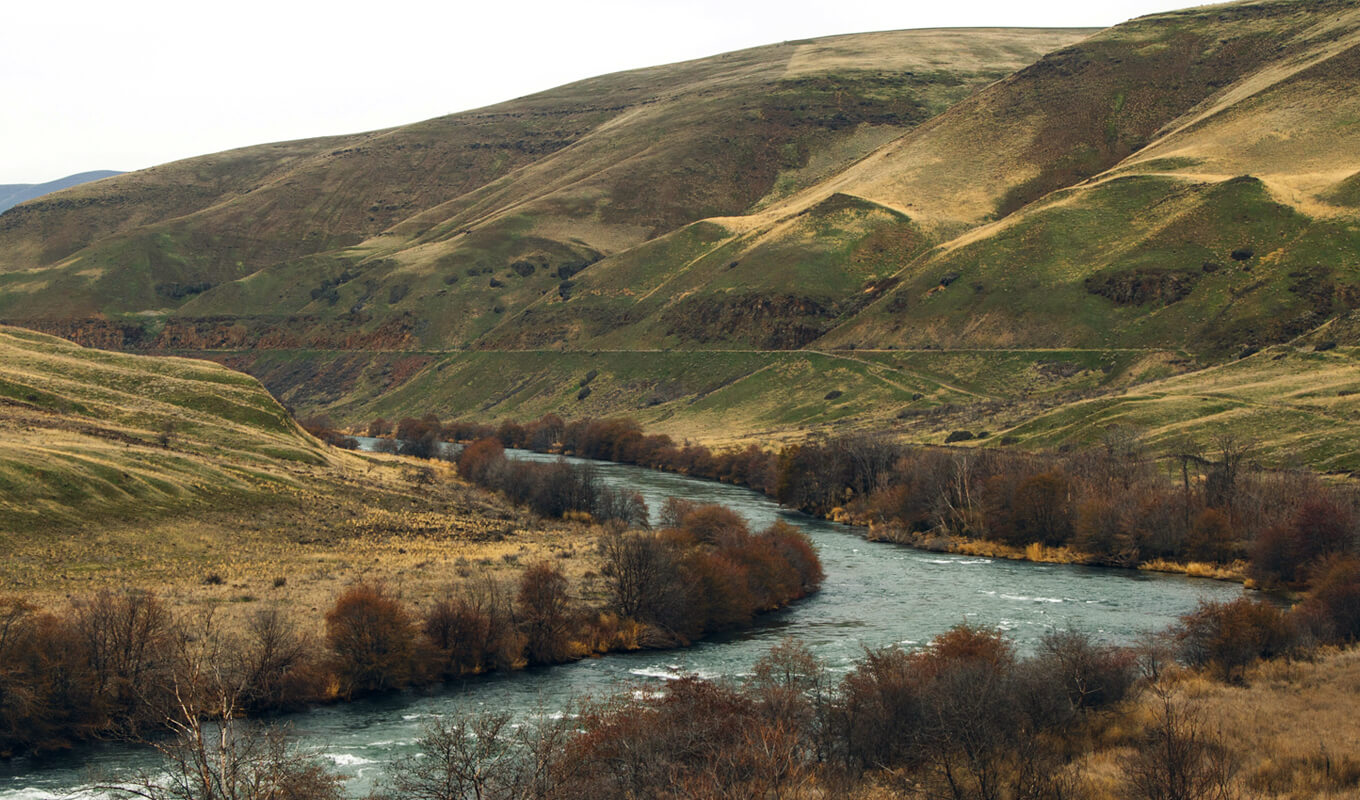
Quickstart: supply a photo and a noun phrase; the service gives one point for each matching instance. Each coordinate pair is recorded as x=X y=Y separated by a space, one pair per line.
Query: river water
x=874 y=595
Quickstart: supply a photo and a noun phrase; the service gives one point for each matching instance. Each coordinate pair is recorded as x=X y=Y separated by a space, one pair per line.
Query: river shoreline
x=929 y=541
x=873 y=597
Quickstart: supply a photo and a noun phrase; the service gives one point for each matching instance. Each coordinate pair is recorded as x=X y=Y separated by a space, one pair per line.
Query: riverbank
x=1036 y=553
x=1204 y=514
x=587 y=591
x=872 y=597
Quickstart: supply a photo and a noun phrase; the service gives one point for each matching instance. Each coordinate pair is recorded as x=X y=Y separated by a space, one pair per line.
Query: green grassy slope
x=1298 y=408
x=711 y=395
x=923 y=230
x=1228 y=228
x=1095 y=198
x=87 y=434
x=434 y=233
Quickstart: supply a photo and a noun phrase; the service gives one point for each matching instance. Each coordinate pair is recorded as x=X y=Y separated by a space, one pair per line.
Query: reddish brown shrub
x=1211 y=536
x=714 y=524
x=460 y=634
x=1230 y=636
x=545 y=613
x=696 y=740
x=277 y=665
x=372 y=640
x=720 y=591
x=797 y=550
x=1333 y=604
x=477 y=461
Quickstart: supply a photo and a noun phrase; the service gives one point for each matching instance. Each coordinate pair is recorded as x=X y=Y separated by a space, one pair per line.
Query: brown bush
x=129 y=642
x=1333 y=604
x=696 y=740
x=472 y=629
x=643 y=578
x=545 y=613
x=1211 y=537
x=372 y=640
x=720 y=592
x=477 y=461
x=1230 y=636
x=1320 y=527
x=797 y=549
x=713 y=524
x=277 y=665
x=1092 y=675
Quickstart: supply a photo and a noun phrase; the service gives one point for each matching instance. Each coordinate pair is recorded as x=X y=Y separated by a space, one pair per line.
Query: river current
x=874 y=595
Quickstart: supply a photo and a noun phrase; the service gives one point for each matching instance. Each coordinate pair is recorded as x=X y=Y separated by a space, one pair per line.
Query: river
x=874 y=595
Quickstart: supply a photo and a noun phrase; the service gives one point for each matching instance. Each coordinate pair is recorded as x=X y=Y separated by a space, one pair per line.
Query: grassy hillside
x=435 y=233
x=1298 y=407
x=919 y=230
x=715 y=396
x=187 y=477
x=92 y=433
x=1225 y=226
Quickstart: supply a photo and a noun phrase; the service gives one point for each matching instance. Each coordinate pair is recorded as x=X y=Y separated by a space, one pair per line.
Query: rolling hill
x=88 y=432
x=917 y=229
x=435 y=233
x=12 y=194
x=182 y=475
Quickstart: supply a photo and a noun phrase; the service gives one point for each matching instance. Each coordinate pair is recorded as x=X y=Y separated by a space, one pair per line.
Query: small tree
x=227 y=758
x=372 y=640
x=1178 y=757
x=466 y=756
x=545 y=614
x=275 y=664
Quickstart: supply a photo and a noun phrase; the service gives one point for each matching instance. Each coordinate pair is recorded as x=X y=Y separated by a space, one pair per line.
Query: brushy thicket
x=966 y=717
x=117 y=663
x=1111 y=503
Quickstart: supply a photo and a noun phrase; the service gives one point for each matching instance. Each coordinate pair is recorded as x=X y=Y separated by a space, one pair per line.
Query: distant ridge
x=12 y=194
x=931 y=232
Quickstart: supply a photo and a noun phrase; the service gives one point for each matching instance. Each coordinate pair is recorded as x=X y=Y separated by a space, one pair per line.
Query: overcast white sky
x=110 y=84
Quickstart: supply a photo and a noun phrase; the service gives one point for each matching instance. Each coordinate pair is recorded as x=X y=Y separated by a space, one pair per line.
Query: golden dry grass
x=1291 y=727
x=1235 y=572
x=240 y=508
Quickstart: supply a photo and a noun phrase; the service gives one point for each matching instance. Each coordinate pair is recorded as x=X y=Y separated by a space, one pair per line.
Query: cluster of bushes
x=121 y=664
x=705 y=571
x=558 y=489
x=1228 y=637
x=1110 y=502
x=323 y=427
x=412 y=436
x=966 y=717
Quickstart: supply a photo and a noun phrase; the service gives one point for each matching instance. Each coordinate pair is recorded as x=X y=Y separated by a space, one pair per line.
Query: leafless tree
x=1179 y=757
x=464 y=756
x=211 y=753
x=642 y=578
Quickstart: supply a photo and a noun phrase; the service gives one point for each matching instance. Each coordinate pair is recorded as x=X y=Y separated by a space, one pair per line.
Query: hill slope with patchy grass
x=919 y=230
x=188 y=478
x=89 y=433
x=435 y=233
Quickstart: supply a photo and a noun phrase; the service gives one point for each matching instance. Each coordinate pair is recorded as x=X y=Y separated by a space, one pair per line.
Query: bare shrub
x=466 y=756
x=545 y=612
x=371 y=639
x=1178 y=757
x=277 y=664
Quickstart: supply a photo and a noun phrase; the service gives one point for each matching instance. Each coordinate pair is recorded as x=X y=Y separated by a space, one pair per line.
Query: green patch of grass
x=128 y=436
